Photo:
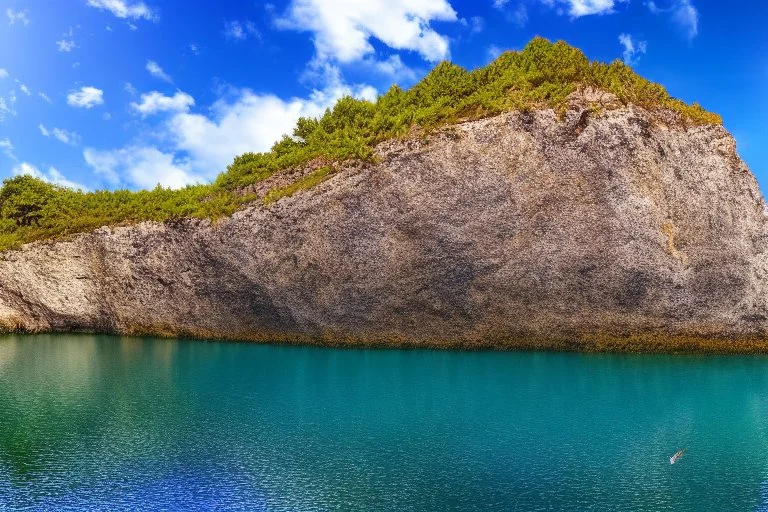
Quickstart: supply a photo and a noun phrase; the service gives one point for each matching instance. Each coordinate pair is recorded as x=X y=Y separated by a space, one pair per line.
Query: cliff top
x=543 y=75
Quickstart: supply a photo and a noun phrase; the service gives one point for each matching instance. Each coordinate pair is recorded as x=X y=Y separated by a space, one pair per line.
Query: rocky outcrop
x=615 y=229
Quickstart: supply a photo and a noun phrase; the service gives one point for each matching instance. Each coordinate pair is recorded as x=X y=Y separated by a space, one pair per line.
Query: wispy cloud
x=682 y=12
x=17 y=16
x=126 y=10
x=60 y=134
x=7 y=148
x=65 y=45
x=240 y=30
x=633 y=49
x=156 y=71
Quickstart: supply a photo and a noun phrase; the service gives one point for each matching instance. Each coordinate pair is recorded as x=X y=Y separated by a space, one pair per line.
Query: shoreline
x=649 y=343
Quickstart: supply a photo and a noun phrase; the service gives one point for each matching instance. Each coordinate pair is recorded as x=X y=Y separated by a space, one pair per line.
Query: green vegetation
x=540 y=76
x=304 y=183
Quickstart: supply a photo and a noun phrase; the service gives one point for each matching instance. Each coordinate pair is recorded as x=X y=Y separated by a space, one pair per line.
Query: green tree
x=23 y=198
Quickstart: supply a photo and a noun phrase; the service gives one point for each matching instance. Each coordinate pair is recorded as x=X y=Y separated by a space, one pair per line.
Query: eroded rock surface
x=518 y=230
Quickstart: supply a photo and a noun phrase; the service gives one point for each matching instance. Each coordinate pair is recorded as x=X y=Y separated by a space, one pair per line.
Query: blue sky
x=129 y=94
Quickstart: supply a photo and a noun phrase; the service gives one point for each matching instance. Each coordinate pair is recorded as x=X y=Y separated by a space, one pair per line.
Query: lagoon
x=112 y=423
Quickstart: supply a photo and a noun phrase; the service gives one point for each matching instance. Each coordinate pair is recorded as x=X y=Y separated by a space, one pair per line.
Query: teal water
x=108 y=423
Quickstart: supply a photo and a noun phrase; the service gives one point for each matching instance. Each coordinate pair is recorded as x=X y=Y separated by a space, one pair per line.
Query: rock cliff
x=608 y=229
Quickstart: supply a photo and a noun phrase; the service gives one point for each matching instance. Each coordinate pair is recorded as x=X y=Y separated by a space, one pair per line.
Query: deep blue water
x=108 y=423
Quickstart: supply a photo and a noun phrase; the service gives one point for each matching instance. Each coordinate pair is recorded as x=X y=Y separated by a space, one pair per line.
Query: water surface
x=109 y=423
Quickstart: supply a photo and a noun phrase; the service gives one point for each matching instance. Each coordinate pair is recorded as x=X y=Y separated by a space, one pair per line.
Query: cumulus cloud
x=86 y=97
x=44 y=130
x=199 y=146
x=17 y=16
x=141 y=166
x=633 y=49
x=125 y=9
x=23 y=88
x=343 y=28
x=240 y=30
x=156 y=71
x=3 y=73
x=683 y=12
x=45 y=97
x=155 y=102
x=52 y=175
x=7 y=148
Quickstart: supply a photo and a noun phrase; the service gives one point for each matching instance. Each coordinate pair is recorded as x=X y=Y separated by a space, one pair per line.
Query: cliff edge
x=606 y=229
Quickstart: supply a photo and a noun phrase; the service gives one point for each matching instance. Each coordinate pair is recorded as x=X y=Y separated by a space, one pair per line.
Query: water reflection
x=94 y=422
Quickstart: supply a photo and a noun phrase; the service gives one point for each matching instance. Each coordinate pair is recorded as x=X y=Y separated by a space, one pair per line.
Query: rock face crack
x=524 y=229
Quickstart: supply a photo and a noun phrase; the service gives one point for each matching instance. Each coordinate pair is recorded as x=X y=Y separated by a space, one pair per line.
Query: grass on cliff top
x=542 y=75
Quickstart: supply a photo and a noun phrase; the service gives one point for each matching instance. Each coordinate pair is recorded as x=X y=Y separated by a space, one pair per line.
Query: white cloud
x=476 y=24
x=23 y=88
x=494 y=51
x=66 y=136
x=141 y=166
x=106 y=116
x=60 y=134
x=251 y=123
x=156 y=71
x=201 y=146
x=7 y=148
x=342 y=28
x=86 y=97
x=52 y=176
x=240 y=30
x=65 y=45
x=393 y=67
x=683 y=12
x=17 y=16
x=194 y=48
x=518 y=15
x=45 y=97
x=4 y=73
x=6 y=107
x=633 y=49
x=155 y=102
x=578 y=8
x=124 y=9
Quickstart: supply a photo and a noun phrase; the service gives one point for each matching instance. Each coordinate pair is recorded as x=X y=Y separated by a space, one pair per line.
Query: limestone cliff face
x=518 y=230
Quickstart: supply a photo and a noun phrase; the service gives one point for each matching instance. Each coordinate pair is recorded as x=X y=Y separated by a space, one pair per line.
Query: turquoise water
x=108 y=423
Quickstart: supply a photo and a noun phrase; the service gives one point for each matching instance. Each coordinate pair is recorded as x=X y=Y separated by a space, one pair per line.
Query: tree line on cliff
x=542 y=75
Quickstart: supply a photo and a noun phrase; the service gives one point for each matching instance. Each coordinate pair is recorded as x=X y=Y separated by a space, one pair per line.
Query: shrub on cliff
x=542 y=75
